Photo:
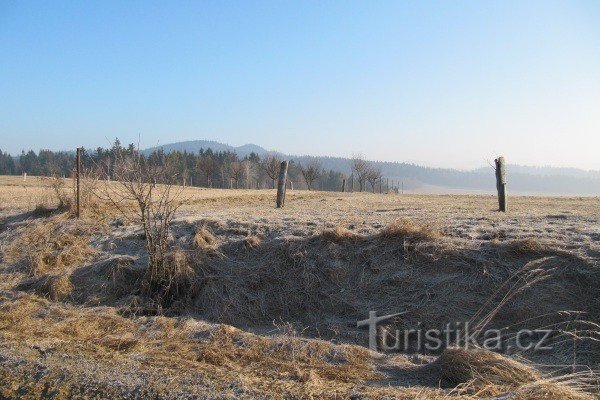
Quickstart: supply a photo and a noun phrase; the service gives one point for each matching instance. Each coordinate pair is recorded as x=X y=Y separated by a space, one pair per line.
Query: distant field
x=276 y=295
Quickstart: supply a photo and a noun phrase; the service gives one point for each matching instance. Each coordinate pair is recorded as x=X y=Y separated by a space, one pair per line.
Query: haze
x=439 y=83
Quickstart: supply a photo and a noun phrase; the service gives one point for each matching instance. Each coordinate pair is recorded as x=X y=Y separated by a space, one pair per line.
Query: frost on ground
x=273 y=295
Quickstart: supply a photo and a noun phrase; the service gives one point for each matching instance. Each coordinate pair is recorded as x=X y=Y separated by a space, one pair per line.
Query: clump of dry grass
x=482 y=368
x=408 y=229
x=525 y=246
x=52 y=245
x=252 y=242
x=340 y=234
x=56 y=287
x=204 y=238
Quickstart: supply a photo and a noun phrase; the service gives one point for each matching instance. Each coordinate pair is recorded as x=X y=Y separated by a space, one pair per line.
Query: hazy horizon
x=442 y=84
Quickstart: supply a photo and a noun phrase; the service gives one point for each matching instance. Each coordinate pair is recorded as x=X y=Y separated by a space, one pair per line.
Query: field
x=272 y=307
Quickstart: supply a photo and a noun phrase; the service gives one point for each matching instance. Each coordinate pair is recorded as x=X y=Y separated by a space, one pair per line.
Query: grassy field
x=273 y=296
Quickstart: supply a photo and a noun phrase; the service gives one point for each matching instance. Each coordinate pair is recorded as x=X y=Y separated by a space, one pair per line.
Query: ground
x=277 y=293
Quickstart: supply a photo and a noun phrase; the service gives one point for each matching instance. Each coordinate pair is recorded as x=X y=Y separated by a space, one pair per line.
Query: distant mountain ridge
x=194 y=146
x=522 y=179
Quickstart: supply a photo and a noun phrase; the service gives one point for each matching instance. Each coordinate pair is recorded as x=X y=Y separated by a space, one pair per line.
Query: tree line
x=206 y=168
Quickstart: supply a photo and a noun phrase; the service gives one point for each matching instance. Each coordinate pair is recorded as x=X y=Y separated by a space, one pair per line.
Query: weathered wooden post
x=343 y=185
x=281 y=184
x=501 y=183
x=24 y=176
x=78 y=172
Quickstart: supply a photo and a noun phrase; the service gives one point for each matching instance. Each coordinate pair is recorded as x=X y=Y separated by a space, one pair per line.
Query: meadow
x=265 y=300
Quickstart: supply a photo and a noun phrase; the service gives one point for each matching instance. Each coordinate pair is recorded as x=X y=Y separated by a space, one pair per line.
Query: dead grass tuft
x=525 y=246
x=53 y=287
x=204 y=238
x=52 y=245
x=481 y=368
x=409 y=229
x=252 y=242
x=340 y=234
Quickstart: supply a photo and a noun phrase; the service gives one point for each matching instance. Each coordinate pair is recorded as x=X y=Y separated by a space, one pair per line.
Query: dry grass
x=339 y=234
x=252 y=242
x=51 y=245
x=405 y=229
x=316 y=266
x=54 y=287
x=204 y=238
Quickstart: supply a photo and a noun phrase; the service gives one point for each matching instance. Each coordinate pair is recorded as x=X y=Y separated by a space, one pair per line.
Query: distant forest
x=251 y=166
x=205 y=168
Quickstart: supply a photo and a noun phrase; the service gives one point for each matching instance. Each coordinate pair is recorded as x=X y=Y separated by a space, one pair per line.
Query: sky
x=449 y=83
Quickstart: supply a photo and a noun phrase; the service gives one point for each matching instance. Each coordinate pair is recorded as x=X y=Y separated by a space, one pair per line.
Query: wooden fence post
x=343 y=185
x=501 y=183
x=281 y=184
x=78 y=172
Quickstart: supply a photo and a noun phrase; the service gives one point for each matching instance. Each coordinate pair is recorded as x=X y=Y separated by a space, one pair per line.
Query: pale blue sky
x=450 y=83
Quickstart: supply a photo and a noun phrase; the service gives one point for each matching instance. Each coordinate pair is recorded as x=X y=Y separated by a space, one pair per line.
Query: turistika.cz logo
x=458 y=334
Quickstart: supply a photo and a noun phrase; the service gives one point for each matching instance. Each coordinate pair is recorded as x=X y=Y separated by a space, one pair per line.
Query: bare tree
x=360 y=167
x=270 y=164
x=236 y=172
x=311 y=172
x=373 y=175
x=147 y=195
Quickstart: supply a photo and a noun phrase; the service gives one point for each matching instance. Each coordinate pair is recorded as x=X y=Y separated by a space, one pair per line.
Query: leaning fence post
x=501 y=183
x=78 y=172
x=281 y=184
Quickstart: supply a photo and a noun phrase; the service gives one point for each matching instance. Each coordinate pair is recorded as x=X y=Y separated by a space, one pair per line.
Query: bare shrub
x=147 y=195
